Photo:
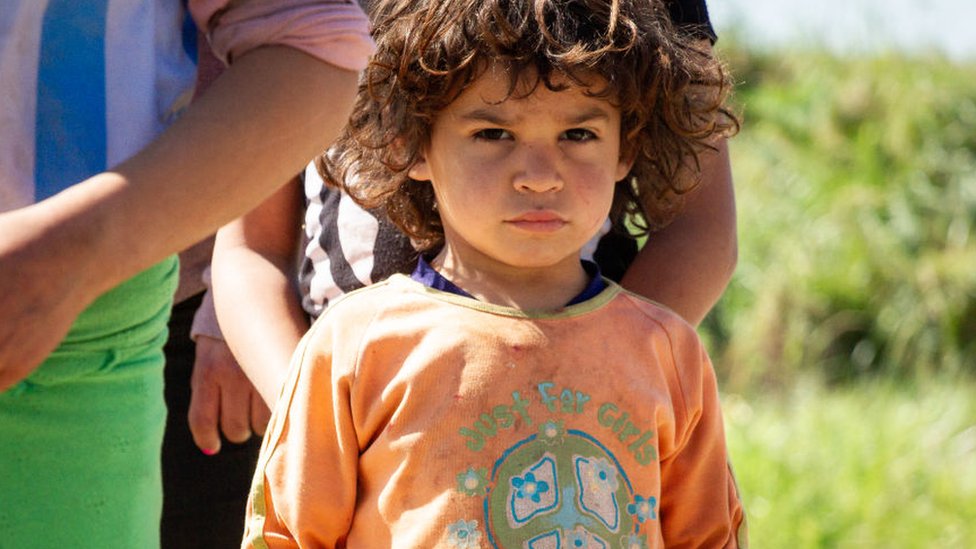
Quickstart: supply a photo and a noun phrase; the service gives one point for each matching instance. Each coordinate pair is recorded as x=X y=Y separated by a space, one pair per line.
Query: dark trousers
x=203 y=496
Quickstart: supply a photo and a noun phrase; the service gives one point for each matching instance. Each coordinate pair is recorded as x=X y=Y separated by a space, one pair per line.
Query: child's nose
x=539 y=170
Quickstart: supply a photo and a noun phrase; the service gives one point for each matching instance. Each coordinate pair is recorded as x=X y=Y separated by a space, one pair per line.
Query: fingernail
x=208 y=451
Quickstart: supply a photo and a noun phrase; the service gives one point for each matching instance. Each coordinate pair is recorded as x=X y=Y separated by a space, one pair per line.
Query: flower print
x=464 y=534
x=529 y=487
x=643 y=509
x=473 y=482
x=576 y=537
x=603 y=475
x=633 y=541
x=551 y=431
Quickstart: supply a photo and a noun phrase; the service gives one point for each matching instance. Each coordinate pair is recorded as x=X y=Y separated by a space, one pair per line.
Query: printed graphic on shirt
x=559 y=486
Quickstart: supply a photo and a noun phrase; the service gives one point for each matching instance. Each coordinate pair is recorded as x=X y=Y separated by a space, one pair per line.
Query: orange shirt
x=417 y=418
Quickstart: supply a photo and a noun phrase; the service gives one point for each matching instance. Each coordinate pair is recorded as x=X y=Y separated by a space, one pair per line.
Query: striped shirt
x=85 y=84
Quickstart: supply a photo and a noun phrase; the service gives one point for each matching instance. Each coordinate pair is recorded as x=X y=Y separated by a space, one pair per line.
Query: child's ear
x=420 y=171
x=626 y=162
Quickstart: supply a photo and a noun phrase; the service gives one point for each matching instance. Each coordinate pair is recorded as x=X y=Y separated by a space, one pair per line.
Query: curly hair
x=670 y=91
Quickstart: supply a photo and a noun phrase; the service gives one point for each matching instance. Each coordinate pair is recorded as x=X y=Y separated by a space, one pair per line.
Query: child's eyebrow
x=485 y=115
x=588 y=115
x=493 y=117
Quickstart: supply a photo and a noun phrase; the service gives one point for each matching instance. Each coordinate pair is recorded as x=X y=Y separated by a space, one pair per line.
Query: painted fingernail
x=209 y=452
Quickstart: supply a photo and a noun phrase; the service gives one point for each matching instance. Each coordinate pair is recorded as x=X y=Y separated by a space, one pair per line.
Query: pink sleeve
x=334 y=31
x=205 y=319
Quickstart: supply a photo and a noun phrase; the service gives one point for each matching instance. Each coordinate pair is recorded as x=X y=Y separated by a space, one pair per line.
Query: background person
x=101 y=180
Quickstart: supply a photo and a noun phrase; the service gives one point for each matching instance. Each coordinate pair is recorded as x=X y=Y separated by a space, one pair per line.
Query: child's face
x=522 y=182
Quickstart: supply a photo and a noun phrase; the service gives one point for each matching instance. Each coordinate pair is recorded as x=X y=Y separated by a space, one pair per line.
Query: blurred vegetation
x=856 y=191
x=865 y=466
x=846 y=342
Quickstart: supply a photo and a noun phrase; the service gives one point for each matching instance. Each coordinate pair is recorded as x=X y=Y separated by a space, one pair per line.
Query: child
x=265 y=301
x=507 y=395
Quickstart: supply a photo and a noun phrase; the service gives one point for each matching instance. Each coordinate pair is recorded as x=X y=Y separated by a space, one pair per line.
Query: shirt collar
x=428 y=276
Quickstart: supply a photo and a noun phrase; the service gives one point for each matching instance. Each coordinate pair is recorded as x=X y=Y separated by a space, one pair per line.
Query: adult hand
x=222 y=399
x=38 y=302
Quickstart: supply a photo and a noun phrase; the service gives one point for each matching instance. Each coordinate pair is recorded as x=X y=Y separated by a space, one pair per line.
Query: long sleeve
x=700 y=505
x=304 y=491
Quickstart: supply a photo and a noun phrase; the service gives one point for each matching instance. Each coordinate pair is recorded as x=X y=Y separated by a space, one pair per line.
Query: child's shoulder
x=657 y=322
x=654 y=311
x=356 y=313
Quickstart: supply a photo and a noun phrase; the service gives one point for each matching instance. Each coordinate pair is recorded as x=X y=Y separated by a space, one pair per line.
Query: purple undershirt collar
x=426 y=275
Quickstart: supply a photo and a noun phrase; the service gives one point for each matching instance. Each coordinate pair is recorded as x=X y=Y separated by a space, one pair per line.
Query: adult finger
x=204 y=412
x=235 y=404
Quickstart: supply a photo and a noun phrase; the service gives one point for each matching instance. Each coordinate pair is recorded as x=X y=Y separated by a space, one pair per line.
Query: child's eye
x=492 y=134
x=578 y=134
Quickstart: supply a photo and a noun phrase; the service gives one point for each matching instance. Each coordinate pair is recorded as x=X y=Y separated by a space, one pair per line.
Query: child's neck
x=526 y=288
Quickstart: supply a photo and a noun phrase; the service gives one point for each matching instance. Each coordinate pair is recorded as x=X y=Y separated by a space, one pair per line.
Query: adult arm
x=688 y=264
x=260 y=122
x=222 y=399
x=258 y=303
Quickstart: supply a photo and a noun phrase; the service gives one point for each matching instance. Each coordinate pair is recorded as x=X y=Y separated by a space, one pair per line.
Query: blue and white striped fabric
x=84 y=84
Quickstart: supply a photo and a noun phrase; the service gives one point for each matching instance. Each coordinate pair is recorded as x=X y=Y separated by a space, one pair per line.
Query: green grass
x=860 y=467
x=856 y=189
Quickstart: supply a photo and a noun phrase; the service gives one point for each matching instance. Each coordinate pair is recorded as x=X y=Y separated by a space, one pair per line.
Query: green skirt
x=80 y=438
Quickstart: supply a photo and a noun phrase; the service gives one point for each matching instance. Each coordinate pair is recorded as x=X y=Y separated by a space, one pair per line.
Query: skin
x=223 y=399
x=211 y=166
x=688 y=264
x=254 y=288
x=521 y=186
